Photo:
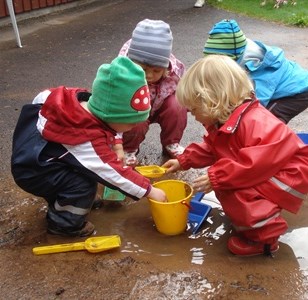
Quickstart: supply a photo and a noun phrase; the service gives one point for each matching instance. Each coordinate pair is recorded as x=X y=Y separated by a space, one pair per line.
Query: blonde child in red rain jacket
x=257 y=165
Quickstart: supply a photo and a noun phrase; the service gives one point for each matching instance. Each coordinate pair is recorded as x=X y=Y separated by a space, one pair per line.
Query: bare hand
x=173 y=165
x=157 y=195
x=202 y=184
x=118 y=149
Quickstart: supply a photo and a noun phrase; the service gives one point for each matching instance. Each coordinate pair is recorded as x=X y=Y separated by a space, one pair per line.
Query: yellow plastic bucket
x=171 y=217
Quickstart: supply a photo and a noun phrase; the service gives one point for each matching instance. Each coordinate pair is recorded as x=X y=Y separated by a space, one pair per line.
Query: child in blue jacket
x=281 y=85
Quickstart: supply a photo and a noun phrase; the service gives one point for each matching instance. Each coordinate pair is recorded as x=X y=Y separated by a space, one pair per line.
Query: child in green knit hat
x=63 y=145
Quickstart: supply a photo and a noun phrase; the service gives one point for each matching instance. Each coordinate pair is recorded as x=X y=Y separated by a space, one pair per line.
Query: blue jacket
x=273 y=74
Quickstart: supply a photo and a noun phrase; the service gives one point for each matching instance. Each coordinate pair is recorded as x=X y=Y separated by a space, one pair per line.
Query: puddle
x=297 y=240
x=198 y=265
x=133 y=222
x=189 y=251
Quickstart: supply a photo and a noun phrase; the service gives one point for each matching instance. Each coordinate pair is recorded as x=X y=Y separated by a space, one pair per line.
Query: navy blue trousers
x=69 y=190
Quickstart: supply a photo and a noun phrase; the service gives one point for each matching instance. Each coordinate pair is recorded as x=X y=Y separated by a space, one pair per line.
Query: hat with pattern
x=120 y=93
x=226 y=38
x=151 y=43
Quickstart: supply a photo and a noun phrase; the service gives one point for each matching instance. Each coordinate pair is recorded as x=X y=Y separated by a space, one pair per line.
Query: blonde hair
x=214 y=85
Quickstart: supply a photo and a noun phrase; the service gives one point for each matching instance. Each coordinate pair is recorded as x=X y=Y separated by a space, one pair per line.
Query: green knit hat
x=120 y=93
x=226 y=38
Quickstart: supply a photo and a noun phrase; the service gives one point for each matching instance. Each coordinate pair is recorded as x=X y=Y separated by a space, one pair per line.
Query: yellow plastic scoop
x=151 y=171
x=93 y=245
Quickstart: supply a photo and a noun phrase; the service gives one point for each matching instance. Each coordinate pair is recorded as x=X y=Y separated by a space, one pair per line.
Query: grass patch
x=295 y=15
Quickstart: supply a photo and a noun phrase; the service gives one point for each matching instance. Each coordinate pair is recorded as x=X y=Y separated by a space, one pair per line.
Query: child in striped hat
x=227 y=38
x=151 y=48
x=281 y=85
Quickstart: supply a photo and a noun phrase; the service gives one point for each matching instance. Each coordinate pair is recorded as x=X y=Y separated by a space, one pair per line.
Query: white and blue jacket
x=273 y=74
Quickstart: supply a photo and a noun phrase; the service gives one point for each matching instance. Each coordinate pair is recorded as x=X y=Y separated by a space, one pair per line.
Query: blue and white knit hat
x=151 y=43
x=226 y=38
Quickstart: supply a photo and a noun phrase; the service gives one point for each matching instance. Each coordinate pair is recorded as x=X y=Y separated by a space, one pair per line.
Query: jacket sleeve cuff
x=183 y=162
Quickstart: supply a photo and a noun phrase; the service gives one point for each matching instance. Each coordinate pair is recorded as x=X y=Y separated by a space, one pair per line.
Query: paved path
x=67 y=48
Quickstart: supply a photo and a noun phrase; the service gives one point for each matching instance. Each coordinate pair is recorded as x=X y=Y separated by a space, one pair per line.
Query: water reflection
x=206 y=230
x=180 y=286
x=197 y=256
x=211 y=200
x=297 y=240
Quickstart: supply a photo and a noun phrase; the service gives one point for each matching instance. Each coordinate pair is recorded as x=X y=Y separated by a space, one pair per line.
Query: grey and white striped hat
x=151 y=43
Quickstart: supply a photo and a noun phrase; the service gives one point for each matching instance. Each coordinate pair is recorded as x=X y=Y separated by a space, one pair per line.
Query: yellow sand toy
x=93 y=245
x=151 y=171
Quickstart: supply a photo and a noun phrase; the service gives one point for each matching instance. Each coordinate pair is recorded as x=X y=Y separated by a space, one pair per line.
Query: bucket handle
x=186 y=204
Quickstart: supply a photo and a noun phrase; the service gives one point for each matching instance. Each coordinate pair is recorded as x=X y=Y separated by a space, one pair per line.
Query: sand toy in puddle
x=303 y=136
x=198 y=212
x=112 y=195
x=93 y=245
x=171 y=217
x=151 y=171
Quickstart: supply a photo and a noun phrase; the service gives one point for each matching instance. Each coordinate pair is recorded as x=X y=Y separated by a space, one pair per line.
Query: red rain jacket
x=253 y=149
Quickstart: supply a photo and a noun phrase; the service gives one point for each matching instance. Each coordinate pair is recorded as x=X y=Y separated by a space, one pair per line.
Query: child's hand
x=157 y=195
x=202 y=184
x=118 y=149
x=173 y=165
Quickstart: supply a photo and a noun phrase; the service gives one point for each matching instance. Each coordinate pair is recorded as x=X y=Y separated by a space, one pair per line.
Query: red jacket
x=87 y=140
x=253 y=149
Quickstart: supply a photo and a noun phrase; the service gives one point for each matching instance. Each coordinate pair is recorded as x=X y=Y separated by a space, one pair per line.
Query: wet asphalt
x=67 y=47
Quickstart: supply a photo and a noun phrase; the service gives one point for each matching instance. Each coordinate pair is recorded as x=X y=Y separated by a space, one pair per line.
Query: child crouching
x=257 y=165
x=63 y=145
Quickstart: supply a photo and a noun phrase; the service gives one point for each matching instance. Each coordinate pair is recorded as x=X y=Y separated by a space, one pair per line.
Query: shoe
x=173 y=150
x=86 y=230
x=243 y=247
x=130 y=158
x=199 y=3
x=97 y=203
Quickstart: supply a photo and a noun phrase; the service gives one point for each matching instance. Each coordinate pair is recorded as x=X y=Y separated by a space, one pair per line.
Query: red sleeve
x=118 y=139
x=196 y=155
